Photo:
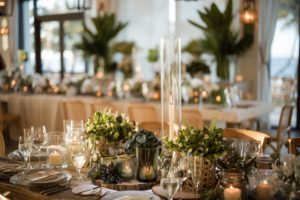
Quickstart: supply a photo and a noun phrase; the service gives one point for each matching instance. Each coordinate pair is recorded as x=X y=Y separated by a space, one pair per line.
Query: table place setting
x=41 y=177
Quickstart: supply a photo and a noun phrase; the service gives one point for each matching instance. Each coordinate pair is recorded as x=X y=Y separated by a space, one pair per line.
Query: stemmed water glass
x=39 y=140
x=195 y=166
x=180 y=165
x=78 y=154
x=28 y=137
x=170 y=185
x=24 y=151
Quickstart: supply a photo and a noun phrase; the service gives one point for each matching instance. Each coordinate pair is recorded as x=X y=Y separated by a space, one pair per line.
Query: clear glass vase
x=170 y=54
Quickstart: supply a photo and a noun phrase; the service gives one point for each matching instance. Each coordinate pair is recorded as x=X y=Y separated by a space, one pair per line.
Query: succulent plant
x=143 y=138
x=111 y=173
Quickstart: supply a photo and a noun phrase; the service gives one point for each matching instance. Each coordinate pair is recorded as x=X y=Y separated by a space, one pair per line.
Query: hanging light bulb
x=6 y=7
x=248 y=14
x=4 y=27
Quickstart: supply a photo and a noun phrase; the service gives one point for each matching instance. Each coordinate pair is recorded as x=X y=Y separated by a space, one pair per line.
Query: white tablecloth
x=47 y=110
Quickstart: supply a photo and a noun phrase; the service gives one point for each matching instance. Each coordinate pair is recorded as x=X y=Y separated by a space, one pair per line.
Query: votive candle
x=232 y=193
x=263 y=191
x=55 y=159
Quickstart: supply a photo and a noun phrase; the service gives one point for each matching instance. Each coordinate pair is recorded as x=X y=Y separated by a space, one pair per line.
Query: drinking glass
x=180 y=165
x=71 y=126
x=78 y=154
x=170 y=186
x=28 y=137
x=39 y=140
x=23 y=149
x=195 y=166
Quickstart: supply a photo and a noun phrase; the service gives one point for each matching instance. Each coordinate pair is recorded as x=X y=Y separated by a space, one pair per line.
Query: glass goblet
x=39 y=140
x=25 y=153
x=78 y=155
x=170 y=186
x=180 y=165
x=195 y=166
x=28 y=137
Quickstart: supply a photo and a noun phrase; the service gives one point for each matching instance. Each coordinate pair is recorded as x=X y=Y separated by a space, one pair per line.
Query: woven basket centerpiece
x=208 y=177
x=203 y=146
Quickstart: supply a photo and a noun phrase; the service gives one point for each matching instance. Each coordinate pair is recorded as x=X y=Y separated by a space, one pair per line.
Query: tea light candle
x=232 y=193
x=148 y=172
x=127 y=171
x=55 y=158
x=263 y=191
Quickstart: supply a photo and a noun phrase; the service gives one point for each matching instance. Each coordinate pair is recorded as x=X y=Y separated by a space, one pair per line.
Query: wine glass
x=180 y=165
x=195 y=166
x=78 y=155
x=24 y=151
x=170 y=185
x=39 y=140
x=28 y=137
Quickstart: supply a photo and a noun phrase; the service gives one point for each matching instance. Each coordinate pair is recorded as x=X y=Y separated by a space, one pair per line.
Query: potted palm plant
x=197 y=65
x=220 y=41
x=97 y=43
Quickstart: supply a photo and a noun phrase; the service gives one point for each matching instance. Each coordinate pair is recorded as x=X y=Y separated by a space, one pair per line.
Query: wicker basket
x=208 y=177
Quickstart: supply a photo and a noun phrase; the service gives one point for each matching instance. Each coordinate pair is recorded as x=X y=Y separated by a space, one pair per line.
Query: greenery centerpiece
x=208 y=143
x=109 y=129
x=220 y=41
x=146 y=146
x=96 y=42
x=107 y=132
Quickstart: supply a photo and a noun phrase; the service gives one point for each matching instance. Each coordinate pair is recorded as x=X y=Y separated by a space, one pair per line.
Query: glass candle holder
x=147 y=159
x=232 y=186
x=128 y=166
x=56 y=150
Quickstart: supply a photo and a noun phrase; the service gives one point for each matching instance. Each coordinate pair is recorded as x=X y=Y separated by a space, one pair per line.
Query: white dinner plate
x=131 y=195
x=20 y=179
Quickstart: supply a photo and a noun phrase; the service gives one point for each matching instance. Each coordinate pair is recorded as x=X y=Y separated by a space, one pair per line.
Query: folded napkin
x=42 y=175
x=88 y=188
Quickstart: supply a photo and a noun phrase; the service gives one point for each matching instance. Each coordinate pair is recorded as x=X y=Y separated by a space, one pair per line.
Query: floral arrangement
x=143 y=138
x=207 y=142
x=107 y=126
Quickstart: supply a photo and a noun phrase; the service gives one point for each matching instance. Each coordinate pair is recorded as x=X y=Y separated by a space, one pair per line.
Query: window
x=284 y=63
x=54 y=35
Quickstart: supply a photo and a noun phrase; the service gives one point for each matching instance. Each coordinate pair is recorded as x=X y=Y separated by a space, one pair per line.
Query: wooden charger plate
x=184 y=195
x=129 y=185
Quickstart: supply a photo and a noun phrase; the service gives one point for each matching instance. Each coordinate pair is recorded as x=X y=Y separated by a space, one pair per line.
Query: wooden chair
x=142 y=113
x=2 y=145
x=192 y=117
x=99 y=106
x=154 y=126
x=283 y=130
x=5 y=120
x=294 y=146
x=74 y=110
x=251 y=135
